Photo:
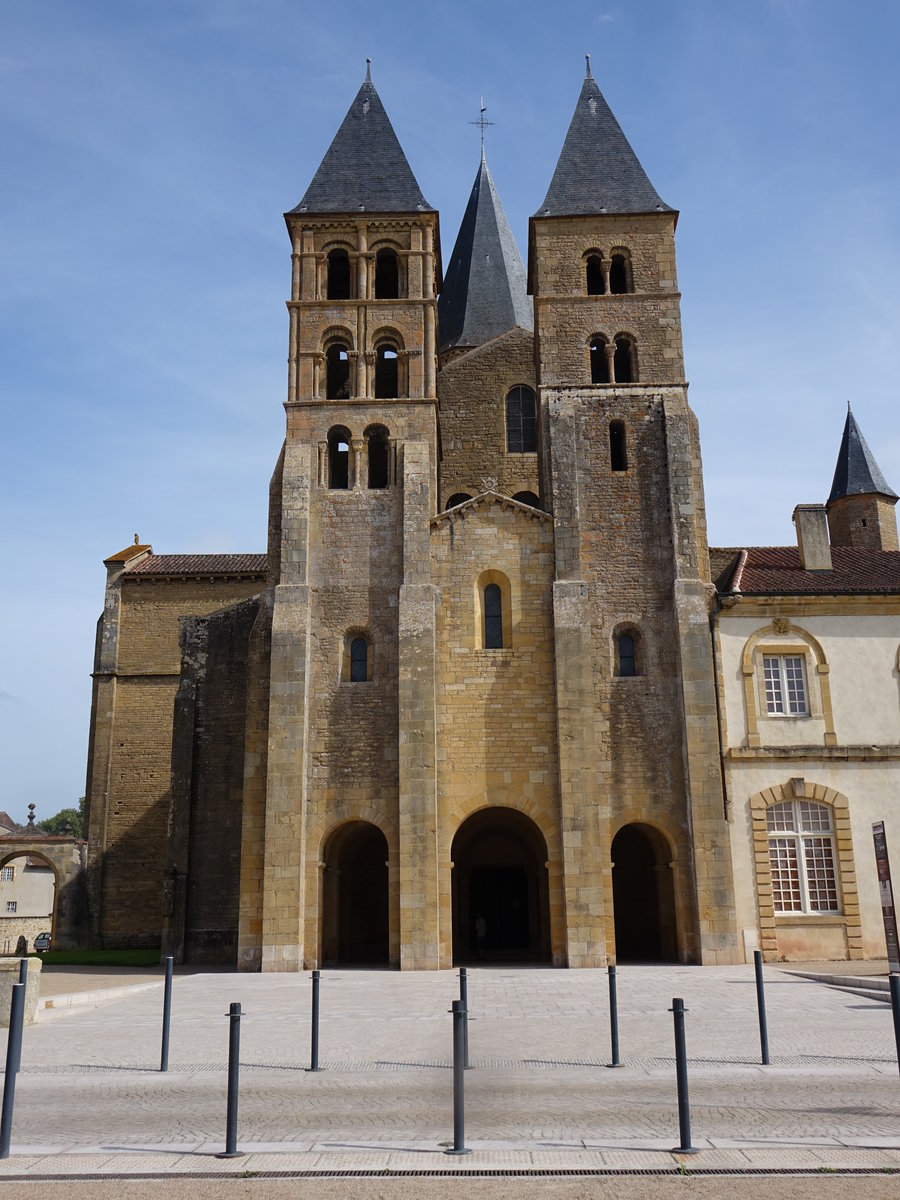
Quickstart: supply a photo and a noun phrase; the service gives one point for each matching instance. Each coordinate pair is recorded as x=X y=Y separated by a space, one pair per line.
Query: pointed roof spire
x=857 y=473
x=364 y=168
x=484 y=288
x=598 y=172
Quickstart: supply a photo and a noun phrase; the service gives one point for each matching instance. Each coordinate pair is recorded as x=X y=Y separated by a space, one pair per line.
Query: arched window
x=802 y=858
x=387 y=373
x=618 y=454
x=339 y=458
x=377 y=441
x=493 y=617
x=387 y=275
x=337 y=372
x=359 y=660
x=339 y=275
x=599 y=361
x=627 y=648
x=521 y=422
x=623 y=363
x=528 y=498
x=455 y=499
x=593 y=270
x=620 y=274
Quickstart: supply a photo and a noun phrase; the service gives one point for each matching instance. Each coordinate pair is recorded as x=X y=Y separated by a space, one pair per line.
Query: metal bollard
x=167 y=1016
x=895 y=1006
x=613 y=1019
x=23 y=970
x=459 y=1108
x=684 y=1105
x=464 y=1000
x=314 y=1036
x=234 y=1066
x=761 y=1007
x=13 y=1062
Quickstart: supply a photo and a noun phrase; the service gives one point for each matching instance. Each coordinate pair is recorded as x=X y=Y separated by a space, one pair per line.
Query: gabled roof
x=777 y=571
x=486 y=500
x=185 y=565
x=485 y=291
x=364 y=168
x=598 y=172
x=857 y=473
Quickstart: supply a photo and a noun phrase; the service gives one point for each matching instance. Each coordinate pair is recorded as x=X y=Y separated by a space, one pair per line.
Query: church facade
x=488 y=693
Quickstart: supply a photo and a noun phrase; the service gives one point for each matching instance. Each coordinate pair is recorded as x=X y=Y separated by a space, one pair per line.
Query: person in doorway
x=481 y=936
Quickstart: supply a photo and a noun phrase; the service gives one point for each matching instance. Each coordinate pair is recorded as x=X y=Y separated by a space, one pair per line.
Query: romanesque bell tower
x=340 y=736
x=642 y=807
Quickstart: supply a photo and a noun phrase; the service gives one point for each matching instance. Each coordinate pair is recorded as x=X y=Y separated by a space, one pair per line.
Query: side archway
x=644 y=895
x=355 y=897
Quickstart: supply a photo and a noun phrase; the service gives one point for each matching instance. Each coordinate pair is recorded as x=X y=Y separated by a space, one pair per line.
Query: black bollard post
x=23 y=970
x=234 y=1066
x=314 y=1036
x=684 y=1105
x=613 y=1019
x=13 y=1062
x=459 y=1108
x=464 y=1000
x=761 y=1007
x=167 y=1016
x=895 y=1006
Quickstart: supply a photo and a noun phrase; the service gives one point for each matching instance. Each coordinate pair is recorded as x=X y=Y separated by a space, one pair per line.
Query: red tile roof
x=776 y=571
x=201 y=564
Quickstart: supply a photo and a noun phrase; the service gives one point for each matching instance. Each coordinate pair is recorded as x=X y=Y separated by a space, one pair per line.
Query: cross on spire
x=483 y=122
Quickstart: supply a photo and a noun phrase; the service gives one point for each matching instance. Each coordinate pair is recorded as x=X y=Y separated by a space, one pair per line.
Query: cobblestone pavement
x=90 y=1098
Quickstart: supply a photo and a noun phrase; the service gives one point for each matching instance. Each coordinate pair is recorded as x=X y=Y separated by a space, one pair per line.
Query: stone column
x=356 y=453
x=430 y=357
x=610 y=351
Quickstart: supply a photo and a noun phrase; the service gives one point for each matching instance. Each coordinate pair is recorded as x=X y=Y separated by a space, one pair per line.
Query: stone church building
x=488 y=678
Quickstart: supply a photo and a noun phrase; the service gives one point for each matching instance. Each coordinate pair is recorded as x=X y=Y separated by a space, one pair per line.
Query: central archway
x=501 y=897
x=643 y=896
x=355 y=920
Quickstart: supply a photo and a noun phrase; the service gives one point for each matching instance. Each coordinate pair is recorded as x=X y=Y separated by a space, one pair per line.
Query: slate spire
x=857 y=473
x=598 y=172
x=485 y=290
x=364 y=168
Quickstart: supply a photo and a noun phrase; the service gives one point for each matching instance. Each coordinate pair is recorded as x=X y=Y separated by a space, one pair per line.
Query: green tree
x=74 y=816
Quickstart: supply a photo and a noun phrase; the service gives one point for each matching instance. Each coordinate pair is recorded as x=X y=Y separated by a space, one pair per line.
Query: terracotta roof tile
x=201 y=564
x=776 y=571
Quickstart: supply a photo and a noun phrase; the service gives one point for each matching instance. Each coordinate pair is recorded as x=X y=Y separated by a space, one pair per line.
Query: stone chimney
x=812 y=537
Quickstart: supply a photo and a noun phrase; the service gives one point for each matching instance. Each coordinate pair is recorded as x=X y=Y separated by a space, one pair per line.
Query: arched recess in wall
x=355 y=897
x=456 y=499
x=621 y=279
x=599 y=359
x=338 y=274
x=390 y=365
x=529 y=498
x=339 y=440
x=644 y=895
x=784 y=934
x=500 y=889
x=338 y=359
x=388 y=274
x=493 y=611
x=378 y=453
x=625 y=363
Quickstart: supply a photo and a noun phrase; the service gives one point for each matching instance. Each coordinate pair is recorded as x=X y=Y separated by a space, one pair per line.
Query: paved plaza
x=90 y=1099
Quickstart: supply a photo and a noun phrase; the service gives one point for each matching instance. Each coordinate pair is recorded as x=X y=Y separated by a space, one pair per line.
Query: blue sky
x=150 y=148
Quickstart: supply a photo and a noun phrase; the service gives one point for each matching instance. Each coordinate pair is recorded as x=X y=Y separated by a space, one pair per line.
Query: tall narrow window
x=593 y=269
x=493 y=617
x=387 y=275
x=359 y=660
x=801 y=857
x=339 y=458
x=618 y=274
x=618 y=454
x=338 y=275
x=785 y=685
x=377 y=441
x=521 y=422
x=337 y=372
x=599 y=361
x=387 y=373
x=623 y=363
x=627 y=658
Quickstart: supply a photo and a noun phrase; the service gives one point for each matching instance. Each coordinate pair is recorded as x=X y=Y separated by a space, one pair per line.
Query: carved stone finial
x=31 y=816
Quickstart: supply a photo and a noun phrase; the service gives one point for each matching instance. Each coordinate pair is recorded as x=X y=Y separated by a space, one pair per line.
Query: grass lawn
x=101 y=958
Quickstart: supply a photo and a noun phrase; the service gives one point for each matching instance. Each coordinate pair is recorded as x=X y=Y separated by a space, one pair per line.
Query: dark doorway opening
x=643 y=896
x=501 y=897
x=355 y=918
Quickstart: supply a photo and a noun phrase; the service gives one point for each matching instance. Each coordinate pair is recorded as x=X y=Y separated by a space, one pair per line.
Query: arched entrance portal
x=500 y=889
x=355 y=922
x=28 y=895
x=643 y=896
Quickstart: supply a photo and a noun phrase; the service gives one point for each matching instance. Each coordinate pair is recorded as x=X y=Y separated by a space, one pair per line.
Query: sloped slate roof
x=364 y=168
x=201 y=564
x=485 y=291
x=857 y=473
x=598 y=172
x=776 y=571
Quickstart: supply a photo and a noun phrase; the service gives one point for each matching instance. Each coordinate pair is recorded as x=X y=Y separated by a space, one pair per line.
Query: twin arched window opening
x=614 y=362
x=611 y=275
x=521 y=421
x=339 y=275
x=340 y=466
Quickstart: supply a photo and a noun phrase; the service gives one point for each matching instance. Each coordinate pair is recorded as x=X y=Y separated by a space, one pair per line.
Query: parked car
x=42 y=942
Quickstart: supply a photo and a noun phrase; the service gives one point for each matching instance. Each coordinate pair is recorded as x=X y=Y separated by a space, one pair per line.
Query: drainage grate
x=456 y=1173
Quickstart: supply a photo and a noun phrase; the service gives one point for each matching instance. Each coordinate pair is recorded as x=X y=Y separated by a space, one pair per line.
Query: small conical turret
x=861 y=503
x=484 y=287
